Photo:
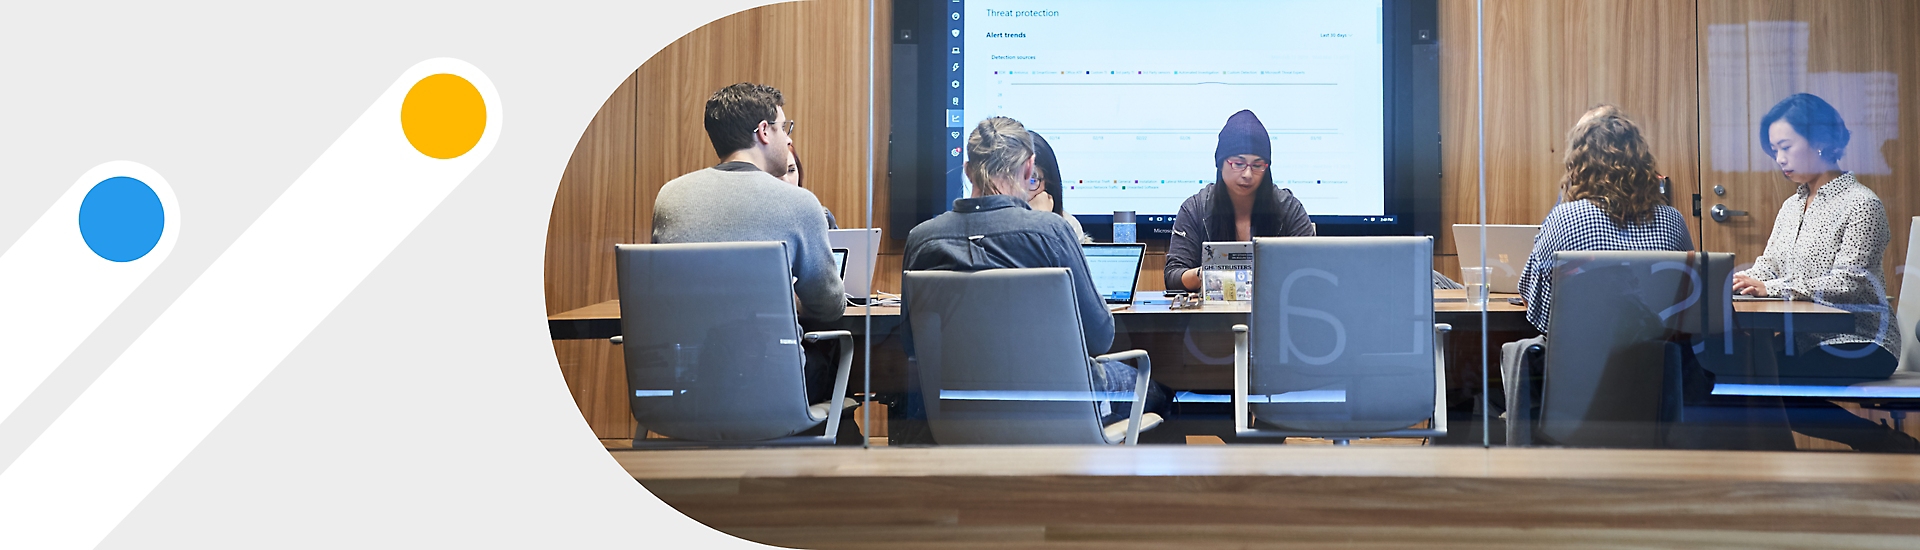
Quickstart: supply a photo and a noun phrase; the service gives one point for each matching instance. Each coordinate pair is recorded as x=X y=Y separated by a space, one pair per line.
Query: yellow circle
x=443 y=116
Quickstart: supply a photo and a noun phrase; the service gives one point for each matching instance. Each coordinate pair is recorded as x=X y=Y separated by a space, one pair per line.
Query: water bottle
x=1123 y=229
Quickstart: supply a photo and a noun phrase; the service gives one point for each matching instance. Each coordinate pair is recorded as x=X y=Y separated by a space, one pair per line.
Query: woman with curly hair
x=1610 y=200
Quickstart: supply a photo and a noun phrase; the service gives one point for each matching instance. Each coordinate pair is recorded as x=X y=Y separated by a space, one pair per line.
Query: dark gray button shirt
x=1000 y=231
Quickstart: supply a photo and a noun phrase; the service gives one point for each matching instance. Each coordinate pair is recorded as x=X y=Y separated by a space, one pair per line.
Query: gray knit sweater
x=731 y=204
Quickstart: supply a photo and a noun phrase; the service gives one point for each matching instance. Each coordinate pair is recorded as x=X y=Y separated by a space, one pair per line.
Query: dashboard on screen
x=1132 y=95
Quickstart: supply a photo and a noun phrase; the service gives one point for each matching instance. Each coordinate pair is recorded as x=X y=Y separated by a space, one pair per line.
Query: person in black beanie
x=1241 y=204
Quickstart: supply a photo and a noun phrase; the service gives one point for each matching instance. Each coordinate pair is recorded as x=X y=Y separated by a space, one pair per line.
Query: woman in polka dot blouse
x=1826 y=246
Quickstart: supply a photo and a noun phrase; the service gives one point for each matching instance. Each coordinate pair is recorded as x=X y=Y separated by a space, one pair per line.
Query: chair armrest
x=1440 y=332
x=839 y=376
x=1140 y=385
x=847 y=336
x=1239 y=378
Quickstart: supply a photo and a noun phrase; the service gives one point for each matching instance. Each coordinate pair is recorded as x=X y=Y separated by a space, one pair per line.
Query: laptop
x=840 y=262
x=1115 y=269
x=1226 y=271
x=1507 y=250
x=863 y=248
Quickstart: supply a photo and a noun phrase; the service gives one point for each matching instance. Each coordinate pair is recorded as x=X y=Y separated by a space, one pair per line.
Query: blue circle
x=121 y=219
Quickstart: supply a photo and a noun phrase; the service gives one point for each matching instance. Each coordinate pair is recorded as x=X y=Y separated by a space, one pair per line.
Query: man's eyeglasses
x=1238 y=165
x=785 y=126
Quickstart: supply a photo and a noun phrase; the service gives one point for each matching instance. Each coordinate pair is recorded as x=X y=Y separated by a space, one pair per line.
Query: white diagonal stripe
x=54 y=291
x=201 y=357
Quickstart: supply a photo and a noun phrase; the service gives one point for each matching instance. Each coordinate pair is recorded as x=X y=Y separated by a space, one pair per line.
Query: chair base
x=1897 y=407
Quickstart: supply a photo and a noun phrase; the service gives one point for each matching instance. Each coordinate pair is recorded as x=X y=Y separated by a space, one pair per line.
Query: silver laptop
x=1115 y=269
x=863 y=248
x=1507 y=249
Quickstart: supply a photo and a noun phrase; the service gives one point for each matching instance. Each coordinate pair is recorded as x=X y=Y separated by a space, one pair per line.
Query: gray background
x=427 y=410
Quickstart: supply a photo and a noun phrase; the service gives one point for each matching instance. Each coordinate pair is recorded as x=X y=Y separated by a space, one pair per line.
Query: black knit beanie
x=1243 y=135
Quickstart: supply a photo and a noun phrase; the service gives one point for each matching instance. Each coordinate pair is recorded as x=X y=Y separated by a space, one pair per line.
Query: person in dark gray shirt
x=1241 y=204
x=997 y=228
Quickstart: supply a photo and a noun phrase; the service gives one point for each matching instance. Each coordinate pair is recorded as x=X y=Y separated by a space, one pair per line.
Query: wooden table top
x=602 y=320
x=1247 y=496
x=1276 y=460
x=1444 y=301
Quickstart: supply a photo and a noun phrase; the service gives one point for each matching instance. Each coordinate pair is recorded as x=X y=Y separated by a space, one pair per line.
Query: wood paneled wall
x=594 y=210
x=1546 y=63
x=649 y=132
x=1838 y=50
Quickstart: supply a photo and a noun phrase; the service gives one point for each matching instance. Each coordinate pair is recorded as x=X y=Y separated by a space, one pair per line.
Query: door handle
x=1720 y=213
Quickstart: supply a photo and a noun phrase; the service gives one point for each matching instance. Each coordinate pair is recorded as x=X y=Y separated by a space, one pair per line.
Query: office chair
x=1613 y=373
x=712 y=346
x=1901 y=392
x=1002 y=360
x=1341 y=343
x=1653 y=380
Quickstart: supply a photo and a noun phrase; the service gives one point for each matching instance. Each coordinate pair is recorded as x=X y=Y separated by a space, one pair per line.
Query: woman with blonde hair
x=998 y=228
x=1610 y=200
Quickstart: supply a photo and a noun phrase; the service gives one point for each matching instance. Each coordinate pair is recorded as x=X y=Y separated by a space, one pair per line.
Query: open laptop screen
x=1507 y=250
x=840 y=261
x=863 y=248
x=1115 y=269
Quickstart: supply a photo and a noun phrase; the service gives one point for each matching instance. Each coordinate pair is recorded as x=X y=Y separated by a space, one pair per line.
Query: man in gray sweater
x=743 y=199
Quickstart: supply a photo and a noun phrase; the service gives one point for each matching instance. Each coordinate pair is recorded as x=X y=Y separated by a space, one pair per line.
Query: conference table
x=1192 y=348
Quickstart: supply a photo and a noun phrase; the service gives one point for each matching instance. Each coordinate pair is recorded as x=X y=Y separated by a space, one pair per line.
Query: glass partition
x=664 y=323
x=1585 y=224
x=1360 y=234
x=1165 y=163
x=1723 y=224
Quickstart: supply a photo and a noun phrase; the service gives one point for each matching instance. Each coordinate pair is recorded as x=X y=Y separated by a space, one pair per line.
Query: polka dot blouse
x=1831 y=254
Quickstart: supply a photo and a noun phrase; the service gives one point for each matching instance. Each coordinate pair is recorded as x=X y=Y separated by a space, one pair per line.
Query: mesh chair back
x=1908 y=314
x=1609 y=367
x=1711 y=309
x=1341 y=335
x=1001 y=356
x=712 y=340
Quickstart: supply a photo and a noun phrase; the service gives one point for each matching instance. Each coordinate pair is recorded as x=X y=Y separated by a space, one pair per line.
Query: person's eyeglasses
x=784 y=126
x=1238 y=165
